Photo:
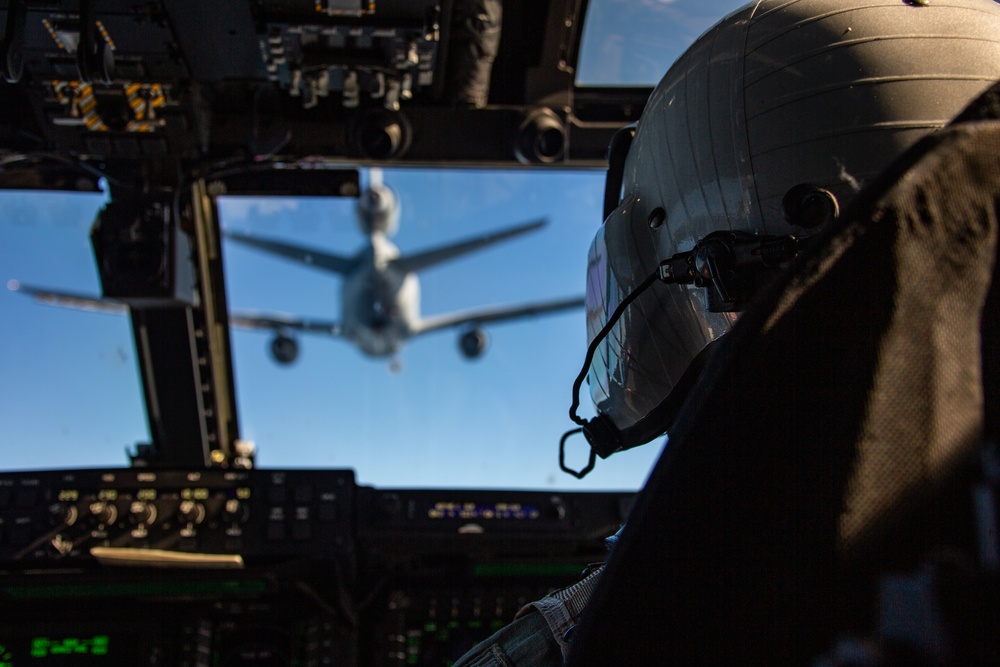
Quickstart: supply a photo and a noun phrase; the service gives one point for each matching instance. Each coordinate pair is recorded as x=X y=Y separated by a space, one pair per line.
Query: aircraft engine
x=473 y=343
x=284 y=349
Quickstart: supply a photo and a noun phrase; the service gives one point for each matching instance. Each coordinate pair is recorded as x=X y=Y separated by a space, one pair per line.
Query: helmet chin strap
x=729 y=265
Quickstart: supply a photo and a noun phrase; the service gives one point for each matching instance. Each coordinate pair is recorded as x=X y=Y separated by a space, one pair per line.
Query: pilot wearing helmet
x=748 y=150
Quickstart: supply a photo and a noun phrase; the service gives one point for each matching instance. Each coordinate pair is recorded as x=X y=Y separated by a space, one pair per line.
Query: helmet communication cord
x=726 y=263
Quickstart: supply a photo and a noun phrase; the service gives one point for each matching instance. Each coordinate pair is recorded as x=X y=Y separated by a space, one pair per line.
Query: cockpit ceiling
x=169 y=87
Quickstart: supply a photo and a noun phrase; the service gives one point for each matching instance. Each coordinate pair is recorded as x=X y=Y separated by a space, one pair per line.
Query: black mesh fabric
x=824 y=442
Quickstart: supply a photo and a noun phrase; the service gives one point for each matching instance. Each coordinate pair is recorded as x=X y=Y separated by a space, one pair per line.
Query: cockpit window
x=633 y=42
x=425 y=416
x=70 y=394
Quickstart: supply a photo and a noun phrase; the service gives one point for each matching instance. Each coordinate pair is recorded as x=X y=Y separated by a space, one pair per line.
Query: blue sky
x=632 y=42
x=70 y=394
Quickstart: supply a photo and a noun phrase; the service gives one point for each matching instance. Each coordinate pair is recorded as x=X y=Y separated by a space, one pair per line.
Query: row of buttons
x=296 y=522
x=299 y=519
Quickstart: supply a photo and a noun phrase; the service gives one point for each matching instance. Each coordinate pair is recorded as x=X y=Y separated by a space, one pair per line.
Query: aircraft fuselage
x=381 y=304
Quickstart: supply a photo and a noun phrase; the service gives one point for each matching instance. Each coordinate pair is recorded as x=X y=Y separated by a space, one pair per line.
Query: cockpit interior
x=236 y=430
x=339 y=509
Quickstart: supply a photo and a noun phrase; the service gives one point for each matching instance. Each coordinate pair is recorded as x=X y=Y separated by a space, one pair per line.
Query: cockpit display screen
x=67 y=651
x=473 y=511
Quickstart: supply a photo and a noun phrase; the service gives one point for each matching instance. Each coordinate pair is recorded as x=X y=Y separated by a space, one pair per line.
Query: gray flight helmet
x=768 y=124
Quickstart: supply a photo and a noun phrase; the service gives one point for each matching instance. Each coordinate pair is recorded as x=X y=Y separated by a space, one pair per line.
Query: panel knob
x=103 y=512
x=63 y=514
x=191 y=512
x=142 y=513
x=236 y=511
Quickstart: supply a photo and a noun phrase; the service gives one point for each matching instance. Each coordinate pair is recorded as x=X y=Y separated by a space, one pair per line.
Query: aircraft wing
x=272 y=322
x=69 y=299
x=422 y=260
x=241 y=320
x=320 y=259
x=498 y=314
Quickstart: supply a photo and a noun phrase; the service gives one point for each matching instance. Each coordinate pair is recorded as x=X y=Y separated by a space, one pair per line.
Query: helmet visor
x=647 y=351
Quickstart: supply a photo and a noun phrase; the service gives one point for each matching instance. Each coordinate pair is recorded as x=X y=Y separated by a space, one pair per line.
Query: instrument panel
x=275 y=567
x=157 y=88
x=49 y=517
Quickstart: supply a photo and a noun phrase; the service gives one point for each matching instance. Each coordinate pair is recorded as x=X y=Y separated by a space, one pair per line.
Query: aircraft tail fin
x=319 y=259
x=422 y=260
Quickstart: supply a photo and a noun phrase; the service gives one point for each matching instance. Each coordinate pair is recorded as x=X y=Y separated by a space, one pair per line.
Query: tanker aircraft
x=380 y=289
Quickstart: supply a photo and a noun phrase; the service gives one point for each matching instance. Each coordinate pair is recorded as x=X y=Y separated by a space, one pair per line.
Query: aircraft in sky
x=381 y=291
x=380 y=288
